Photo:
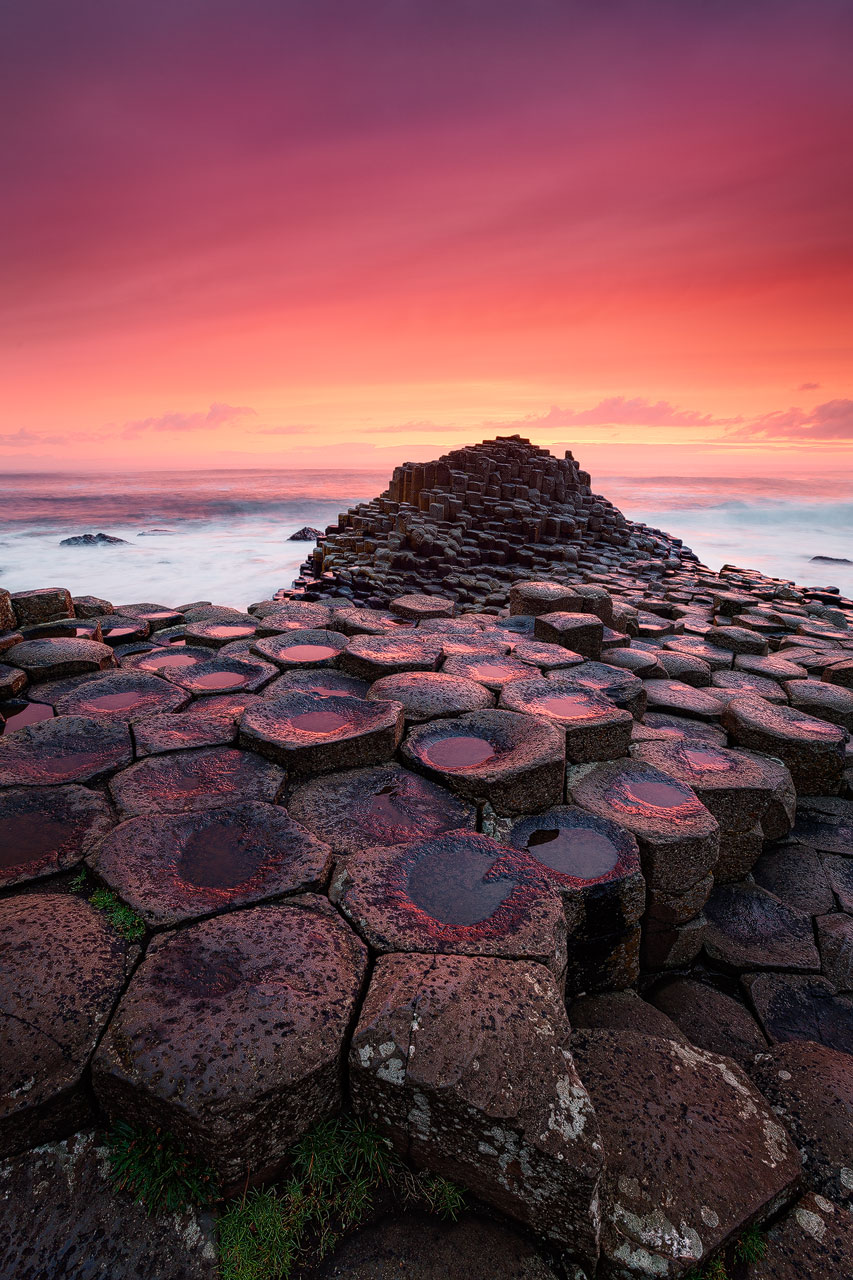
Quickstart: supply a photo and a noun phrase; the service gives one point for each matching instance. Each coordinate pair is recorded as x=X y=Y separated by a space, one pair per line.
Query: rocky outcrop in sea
x=542 y=870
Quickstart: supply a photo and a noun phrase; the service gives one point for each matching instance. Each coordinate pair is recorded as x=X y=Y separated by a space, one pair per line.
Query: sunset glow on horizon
x=330 y=235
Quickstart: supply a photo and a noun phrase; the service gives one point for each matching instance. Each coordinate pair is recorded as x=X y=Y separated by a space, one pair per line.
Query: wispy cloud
x=618 y=411
x=216 y=416
x=832 y=420
x=808 y=386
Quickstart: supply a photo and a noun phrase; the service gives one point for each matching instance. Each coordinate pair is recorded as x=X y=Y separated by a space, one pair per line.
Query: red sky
x=350 y=234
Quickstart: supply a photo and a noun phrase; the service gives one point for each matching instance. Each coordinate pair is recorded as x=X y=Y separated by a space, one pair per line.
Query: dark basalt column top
x=127 y=695
x=299 y=649
x=456 y=893
x=192 y=780
x=431 y=695
x=222 y=675
x=576 y=847
x=383 y=806
x=215 y=632
x=160 y=660
x=48 y=829
x=178 y=867
x=54 y=659
x=315 y=734
x=515 y=761
x=66 y=749
x=320 y=680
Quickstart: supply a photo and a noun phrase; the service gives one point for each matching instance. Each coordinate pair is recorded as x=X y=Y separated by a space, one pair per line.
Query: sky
x=349 y=234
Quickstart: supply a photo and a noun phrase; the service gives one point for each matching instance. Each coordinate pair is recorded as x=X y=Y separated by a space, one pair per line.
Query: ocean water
x=224 y=534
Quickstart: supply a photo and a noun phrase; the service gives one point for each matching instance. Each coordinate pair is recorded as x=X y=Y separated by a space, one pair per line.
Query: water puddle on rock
x=220 y=680
x=707 y=760
x=229 y=631
x=116 y=701
x=463 y=752
x=319 y=721
x=580 y=852
x=451 y=887
x=221 y=856
x=568 y=706
x=655 y=795
x=24 y=837
x=308 y=653
x=31 y=714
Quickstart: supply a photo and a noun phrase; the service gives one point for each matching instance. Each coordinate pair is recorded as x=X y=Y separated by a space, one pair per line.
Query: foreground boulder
x=814 y=1240
x=694 y=1153
x=464 y=1064
x=231 y=1034
x=63 y=968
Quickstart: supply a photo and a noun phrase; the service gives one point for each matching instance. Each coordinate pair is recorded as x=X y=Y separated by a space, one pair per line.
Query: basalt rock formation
x=479 y=517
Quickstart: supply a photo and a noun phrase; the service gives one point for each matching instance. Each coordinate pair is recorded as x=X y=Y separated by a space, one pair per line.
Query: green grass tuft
x=751 y=1247
x=337 y=1169
x=78 y=883
x=126 y=922
x=156 y=1169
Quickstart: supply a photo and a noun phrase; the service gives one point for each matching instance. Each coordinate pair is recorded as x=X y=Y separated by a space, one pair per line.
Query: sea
x=223 y=535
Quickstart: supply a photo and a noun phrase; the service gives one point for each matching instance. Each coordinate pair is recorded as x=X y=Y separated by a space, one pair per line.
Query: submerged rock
x=93 y=540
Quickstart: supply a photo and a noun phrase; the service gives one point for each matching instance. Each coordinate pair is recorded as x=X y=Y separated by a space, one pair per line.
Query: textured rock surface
x=673 y=1192
x=469 y=1084
x=47 y=829
x=231 y=1033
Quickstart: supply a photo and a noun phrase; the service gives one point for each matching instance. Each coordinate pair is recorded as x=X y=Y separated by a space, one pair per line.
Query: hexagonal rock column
x=595 y=867
x=594 y=728
x=814 y=1239
x=490 y=670
x=42 y=605
x=810 y=1087
x=749 y=928
x=580 y=632
x=55 y=659
x=67 y=749
x=465 y=1065
x=418 y=607
x=431 y=695
x=181 y=866
x=623 y=689
x=536 y=598
x=191 y=780
x=216 y=632
x=679 y=844
x=516 y=762
x=681 y=699
x=456 y=893
x=314 y=734
x=674 y=1192
x=280 y=615
x=824 y=701
x=262 y=999
x=127 y=695
x=297 y=650
x=812 y=749
x=383 y=806
x=48 y=829
x=63 y=968
x=372 y=657
x=800 y=1006
x=322 y=680
x=745 y=792
x=221 y=675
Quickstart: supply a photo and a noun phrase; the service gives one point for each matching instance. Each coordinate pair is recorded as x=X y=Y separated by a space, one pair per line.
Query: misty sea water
x=223 y=535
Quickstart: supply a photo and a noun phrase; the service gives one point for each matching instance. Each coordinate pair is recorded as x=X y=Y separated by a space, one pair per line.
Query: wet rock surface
x=695 y=889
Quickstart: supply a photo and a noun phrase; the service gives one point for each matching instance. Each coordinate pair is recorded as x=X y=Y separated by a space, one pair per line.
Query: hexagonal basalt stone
x=682 y=700
x=379 y=807
x=812 y=749
x=160 y=660
x=41 y=605
x=640 y=662
x=580 y=632
x=687 y=668
x=535 y=598
x=431 y=695
x=126 y=695
x=458 y=893
x=465 y=1065
x=55 y=659
x=178 y=867
x=748 y=928
x=840 y=673
x=680 y=727
x=301 y=649
x=810 y=1087
x=828 y=702
x=19 y=713
x=622 y=688
x=117 y=631
x=514 y=761
x=746 y=682
x=372 y=657
x=716 y=658
x=815 y=1239
x=12 y=682
x=47 y=829
x=216 y=632
x=548 y=657
x=320 y=680
x=367 y=622
x=710 y=1019
x=291 y=616
x=594 y=728
x=417 y=607
x=231 y=1034
x=798 y=1006
x=66 y=749
x=63 y=968
x=774 y=667
x=191 y=780
x=595 y=867
x=314 y=734
x=674 y=1192
x=158 y=616
x=156 y=735
x=678 y=837
x=737 y=640
x=490 y=670
x=740 y=789
x=222 y=675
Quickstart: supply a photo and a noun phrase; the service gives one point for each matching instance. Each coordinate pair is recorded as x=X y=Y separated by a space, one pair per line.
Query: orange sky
x=346 y=235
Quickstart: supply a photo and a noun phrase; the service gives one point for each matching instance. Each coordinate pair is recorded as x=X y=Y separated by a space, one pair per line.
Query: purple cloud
x=216 y=416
